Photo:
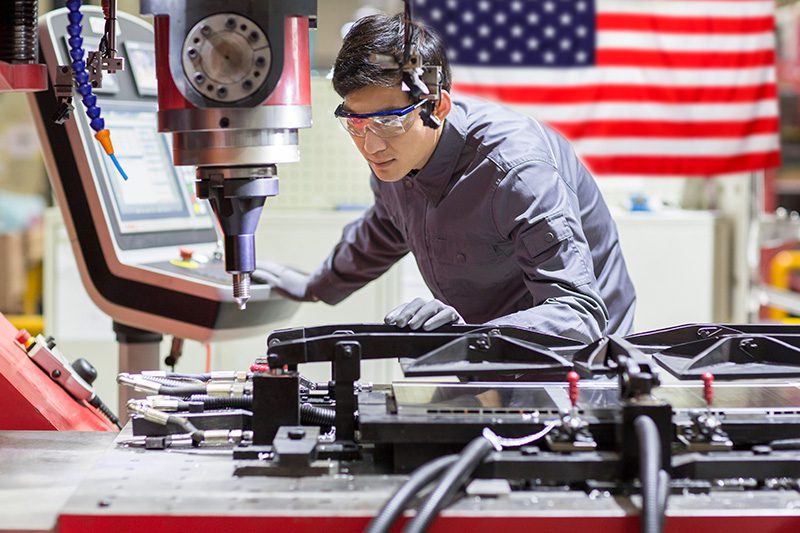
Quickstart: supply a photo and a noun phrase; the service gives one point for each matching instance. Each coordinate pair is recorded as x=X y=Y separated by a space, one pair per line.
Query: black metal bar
x=346 y=370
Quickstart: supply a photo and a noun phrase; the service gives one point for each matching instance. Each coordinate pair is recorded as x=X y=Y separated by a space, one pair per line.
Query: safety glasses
x=384 y=124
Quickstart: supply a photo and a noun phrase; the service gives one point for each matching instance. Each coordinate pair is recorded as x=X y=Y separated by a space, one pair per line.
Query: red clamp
x=256 y=367
x=708 y=388
x=573 y=378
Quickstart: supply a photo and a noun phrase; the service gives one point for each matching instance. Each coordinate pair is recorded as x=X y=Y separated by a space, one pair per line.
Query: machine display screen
x=156 y=197
x=142 y=60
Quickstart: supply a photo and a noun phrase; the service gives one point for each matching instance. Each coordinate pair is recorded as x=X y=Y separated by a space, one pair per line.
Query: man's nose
x=372 y=143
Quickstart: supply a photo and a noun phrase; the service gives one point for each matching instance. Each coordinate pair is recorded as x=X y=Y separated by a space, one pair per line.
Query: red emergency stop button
x=22 y=336
x=186 y=254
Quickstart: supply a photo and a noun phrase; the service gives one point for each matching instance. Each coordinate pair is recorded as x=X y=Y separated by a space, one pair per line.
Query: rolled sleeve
x=538 y=212
x=369 y=247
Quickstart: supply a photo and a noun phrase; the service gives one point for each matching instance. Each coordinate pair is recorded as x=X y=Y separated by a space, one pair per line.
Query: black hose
x=316 y=416
x=223 y=402
x=785 y=444
x=653 y=506
x=197 y=435
x=103 y=408
x=182 y=390
x=442 y=495
x=419 y=479
x=172 y=382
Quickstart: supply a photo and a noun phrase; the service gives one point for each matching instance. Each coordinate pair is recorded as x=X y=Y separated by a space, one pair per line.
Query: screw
x=224 y=122
x=230 y=23
x=247 y=85
x=206 y=30
x=192 y=53
x=296 y=434
x=199 y=78
x=254 y=36
x=260 y=61
x=222 y=92
x=56 y=373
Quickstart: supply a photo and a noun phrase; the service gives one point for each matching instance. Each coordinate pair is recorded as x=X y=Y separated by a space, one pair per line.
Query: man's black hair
x=383 y=34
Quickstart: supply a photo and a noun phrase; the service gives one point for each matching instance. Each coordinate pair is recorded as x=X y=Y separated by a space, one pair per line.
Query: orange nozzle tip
x=104 y=136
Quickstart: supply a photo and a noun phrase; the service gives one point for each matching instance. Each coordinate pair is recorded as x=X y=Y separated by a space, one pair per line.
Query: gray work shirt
x=506 y=225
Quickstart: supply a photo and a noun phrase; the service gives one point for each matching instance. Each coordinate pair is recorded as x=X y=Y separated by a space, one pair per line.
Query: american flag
x=640 y=87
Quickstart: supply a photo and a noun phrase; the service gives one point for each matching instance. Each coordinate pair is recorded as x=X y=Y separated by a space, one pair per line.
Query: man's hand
x=286 y=281
x=430 y=315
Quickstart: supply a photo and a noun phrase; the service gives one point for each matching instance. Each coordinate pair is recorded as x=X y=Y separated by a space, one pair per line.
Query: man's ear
x=443 y=106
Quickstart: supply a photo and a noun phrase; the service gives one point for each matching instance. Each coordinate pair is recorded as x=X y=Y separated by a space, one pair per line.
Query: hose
x=317 y=416
x=452 y=480
x=419 y=479
x=182 y=390
x=655 y=485
x=785 y=444
x=197 y=435
x=170 y=382
x=97 y=403
x=223 y=402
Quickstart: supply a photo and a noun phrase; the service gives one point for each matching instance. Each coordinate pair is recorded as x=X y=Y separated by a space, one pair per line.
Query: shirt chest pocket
x=553 y=254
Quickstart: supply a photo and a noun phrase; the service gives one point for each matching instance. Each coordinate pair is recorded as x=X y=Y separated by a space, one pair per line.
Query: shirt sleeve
x=537 y=210
x=369 y=247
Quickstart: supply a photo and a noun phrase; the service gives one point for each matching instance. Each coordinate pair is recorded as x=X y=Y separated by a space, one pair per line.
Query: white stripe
x=700 y=113
x=640 y=40
x=573 y=77
x=637 y=146
x=689 y=8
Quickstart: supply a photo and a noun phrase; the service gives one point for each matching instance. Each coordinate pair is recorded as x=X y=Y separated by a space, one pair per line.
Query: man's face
x=394 y=157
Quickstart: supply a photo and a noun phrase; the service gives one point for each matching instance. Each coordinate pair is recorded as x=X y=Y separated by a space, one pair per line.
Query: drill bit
x=241 y=289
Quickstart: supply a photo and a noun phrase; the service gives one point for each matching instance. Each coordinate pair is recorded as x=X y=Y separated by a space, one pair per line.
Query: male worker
x=505 y=223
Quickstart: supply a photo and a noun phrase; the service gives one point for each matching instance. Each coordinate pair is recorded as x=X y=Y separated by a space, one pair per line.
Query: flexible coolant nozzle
x=104 y=138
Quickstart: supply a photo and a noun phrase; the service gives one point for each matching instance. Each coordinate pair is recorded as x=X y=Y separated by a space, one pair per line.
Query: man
x=505 y=223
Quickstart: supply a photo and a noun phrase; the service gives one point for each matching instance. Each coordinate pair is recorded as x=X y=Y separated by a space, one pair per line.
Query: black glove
x=286 y=281
x=430 y=315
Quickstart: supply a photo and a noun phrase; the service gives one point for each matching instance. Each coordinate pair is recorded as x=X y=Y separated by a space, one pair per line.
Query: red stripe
x=620 y=93
x=651 y=129
x=668 y=24
x=682 y=165
x=608 y=57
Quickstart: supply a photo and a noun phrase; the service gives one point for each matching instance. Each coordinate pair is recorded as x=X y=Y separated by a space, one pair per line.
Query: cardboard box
x=12 y=272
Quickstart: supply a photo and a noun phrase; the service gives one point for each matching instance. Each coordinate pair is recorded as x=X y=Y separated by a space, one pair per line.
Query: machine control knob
x=573 y=378
x=186 y=254
x=708 y=388
x=84 y=369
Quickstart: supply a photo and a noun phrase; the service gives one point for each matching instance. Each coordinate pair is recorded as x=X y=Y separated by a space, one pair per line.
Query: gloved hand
x=429 y=315
x=285 y=280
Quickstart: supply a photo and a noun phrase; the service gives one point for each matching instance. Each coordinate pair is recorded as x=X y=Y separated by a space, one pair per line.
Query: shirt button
x=549 y=237
x=461 y=258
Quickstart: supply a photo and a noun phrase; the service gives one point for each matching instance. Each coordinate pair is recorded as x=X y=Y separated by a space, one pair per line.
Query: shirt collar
x=433 y=179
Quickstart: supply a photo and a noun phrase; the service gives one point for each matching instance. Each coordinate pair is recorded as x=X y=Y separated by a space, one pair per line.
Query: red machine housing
x=30 y=400
x=294 y=87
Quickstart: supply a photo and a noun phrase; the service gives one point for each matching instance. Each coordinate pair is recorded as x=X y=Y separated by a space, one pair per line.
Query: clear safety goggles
x=384 y=124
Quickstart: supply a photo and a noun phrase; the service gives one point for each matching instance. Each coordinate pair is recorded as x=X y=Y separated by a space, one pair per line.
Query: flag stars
x=452 y=4
x=565 y=44
x=484 y=5
x=581 y=6
x=516 y=6
x=516 y=31
x=468 y=17
x=500 y=18
x=500 y=43
x=533 y=18
x=549 y=57
x=467 y=42
x=533 y=43
x=581 y=56
x=549 y=6
x=581 y=31
x=436 y=14
x=550 y=32
x=517 y=56
x=565 y=19
x=484 y=30
x=451 y=28
x=484 y=56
